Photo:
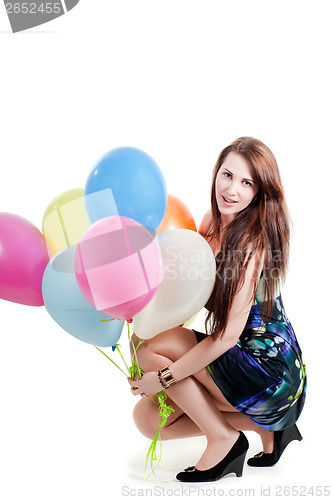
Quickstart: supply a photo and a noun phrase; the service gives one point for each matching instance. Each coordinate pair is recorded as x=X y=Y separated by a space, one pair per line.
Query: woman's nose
x=232 y=188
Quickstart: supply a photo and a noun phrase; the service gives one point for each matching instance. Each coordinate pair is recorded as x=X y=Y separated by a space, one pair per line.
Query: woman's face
x=235 y=186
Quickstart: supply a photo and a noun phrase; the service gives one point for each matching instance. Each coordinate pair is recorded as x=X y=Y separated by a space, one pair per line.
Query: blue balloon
x=67 y=305
x=127 y=182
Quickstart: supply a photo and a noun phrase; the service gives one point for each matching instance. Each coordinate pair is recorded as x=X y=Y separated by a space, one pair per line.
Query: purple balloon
x=23 y=259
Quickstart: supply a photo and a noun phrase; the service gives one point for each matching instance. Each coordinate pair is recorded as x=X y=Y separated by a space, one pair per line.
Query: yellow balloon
x=65 y=220
x=190 y=321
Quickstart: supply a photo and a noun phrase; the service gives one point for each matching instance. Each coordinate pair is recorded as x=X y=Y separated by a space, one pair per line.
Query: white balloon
x=189 y=277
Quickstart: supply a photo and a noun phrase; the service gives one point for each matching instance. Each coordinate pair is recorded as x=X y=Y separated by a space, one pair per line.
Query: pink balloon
x=23 y=259
x=118 y=266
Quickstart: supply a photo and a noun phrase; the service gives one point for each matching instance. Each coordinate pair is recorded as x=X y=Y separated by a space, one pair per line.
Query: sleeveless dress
x=263 y=375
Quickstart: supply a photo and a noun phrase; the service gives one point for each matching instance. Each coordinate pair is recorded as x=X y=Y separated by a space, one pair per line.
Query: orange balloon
x=177 y=216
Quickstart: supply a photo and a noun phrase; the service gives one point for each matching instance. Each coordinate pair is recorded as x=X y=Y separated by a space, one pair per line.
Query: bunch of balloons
x=118 y=250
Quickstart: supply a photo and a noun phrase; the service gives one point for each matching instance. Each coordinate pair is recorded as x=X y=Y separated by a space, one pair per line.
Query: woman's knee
x=141 y=353
x=134 y=341
x=144 y=356
x=171 y=344
x=145 y=417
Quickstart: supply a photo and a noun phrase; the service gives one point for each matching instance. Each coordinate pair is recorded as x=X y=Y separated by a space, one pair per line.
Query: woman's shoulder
x=205 y=230
x=206 y=224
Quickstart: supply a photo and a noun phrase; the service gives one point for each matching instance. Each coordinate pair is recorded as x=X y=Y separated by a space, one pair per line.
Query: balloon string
x=119 y=351
x=164 y=410
x=111 y=360
x=135 y=369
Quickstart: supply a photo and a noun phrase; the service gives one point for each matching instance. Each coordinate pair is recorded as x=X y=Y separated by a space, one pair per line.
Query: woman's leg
x=189 y=394
x=179 y=425
x=200 y=407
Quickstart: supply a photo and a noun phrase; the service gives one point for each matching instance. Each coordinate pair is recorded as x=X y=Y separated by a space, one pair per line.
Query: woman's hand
x=148 y=384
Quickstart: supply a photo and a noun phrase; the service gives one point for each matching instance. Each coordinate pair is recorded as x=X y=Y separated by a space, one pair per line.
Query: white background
x=180 y=80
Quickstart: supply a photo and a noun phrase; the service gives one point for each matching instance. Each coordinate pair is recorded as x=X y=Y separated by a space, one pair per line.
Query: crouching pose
x=247 y=373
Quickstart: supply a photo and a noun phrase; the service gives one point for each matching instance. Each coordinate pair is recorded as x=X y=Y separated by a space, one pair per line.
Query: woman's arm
x=202 y=354
x=209 y=349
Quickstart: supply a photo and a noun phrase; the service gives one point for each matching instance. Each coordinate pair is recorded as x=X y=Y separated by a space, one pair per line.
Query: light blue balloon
x=127 y=182
x=67 y=305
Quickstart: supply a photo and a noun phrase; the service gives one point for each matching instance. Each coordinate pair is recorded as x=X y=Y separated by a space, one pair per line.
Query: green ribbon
x=164 y=410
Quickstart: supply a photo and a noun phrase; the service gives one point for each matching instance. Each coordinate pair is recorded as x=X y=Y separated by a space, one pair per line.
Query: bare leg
x=241 y=422
x=179 y=425
x=190 y=395
x=200 y=408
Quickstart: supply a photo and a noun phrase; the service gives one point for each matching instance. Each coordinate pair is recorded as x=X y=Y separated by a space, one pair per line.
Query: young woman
x=247 y=373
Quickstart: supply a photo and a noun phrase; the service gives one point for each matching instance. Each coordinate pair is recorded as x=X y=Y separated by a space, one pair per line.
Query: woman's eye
x=226 y=174
x=246 y=183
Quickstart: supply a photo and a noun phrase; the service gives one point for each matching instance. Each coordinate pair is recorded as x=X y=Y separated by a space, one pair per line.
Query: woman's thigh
x=173 y=344
x=204 y=377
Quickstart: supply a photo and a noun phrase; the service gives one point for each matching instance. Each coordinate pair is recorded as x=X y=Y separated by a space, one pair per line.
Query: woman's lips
x=227 y=201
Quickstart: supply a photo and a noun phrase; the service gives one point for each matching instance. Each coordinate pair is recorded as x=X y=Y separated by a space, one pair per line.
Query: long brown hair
x=261 y=230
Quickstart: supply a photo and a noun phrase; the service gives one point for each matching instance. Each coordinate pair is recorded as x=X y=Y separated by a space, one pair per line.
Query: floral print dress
x=264 y=375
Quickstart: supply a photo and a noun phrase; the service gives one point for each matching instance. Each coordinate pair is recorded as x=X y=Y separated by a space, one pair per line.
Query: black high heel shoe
x=233 y=462
x=281 y=440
